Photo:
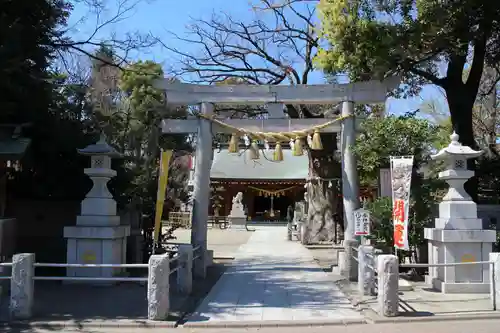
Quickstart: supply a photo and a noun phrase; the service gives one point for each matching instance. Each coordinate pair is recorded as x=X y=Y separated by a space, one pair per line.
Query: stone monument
x=458 y=235
x=237 y=216
x=98 y=237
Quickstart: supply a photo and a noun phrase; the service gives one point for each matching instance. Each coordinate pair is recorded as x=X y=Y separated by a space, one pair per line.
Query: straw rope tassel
x=278 y=152
x=298 y=150
x=233 y=144
x=316 y=143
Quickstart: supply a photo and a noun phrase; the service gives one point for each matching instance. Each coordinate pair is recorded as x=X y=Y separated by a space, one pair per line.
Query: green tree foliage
x=400 y=136
x=392 y=136
x=26 y=28
x=54 y=108
x=372 y=39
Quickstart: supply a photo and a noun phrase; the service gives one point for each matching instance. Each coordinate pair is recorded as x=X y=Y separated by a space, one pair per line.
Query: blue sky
x=161 y=16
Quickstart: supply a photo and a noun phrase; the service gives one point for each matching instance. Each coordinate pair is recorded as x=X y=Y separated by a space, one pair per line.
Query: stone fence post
x=289 y=231
x=158 y=286
x=22 y=286
x=388 y=293
x=185 y=272
x=365 y=274
x=200 y=264
x=351 y=269
x=495 y=280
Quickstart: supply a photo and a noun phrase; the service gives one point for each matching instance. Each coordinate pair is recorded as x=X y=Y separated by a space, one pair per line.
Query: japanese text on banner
x=401 y=171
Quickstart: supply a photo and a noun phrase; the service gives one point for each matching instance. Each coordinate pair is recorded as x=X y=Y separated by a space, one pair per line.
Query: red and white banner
x=401 y=170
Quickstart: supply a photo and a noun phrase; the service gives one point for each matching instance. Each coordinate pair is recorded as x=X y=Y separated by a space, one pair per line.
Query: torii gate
x=275 y=97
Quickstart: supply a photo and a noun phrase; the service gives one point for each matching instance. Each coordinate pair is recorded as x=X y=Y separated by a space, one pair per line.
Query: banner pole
x=160 y=195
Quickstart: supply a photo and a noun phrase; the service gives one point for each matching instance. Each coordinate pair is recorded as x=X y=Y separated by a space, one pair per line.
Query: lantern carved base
x=458 y=235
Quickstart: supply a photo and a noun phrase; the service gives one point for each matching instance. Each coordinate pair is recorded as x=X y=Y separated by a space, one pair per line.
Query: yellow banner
x=162 y=187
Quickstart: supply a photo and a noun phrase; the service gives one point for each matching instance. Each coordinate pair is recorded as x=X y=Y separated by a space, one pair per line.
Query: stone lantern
x=98 y=237
x=458 y=235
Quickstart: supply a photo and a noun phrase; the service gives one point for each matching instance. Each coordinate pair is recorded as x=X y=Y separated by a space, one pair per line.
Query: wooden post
x=349 y=170
x=201 y=193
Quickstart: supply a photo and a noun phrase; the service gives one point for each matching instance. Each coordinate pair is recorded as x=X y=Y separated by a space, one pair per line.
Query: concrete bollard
x=22 y=286
x=304 y=236
x=351 y=267
x=495 y=280
x=373 y=281
x=388 y=293
x=158 y=287
x=365 y=274
x=185 y=272
x=299 y=231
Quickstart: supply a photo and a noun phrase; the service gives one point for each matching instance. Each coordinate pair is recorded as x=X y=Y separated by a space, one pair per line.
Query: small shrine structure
x=268 y=187
x=458 y=235
x=98 y=237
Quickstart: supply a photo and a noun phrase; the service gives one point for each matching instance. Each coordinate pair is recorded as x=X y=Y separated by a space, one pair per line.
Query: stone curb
x=82 y=325
x=454 y=317
x=274 y=323
x=224 y=257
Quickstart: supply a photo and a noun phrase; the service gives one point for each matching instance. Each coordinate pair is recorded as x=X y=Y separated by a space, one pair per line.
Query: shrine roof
x=240 y=166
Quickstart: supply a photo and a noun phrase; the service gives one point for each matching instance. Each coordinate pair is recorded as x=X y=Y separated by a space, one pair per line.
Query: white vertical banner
x=401 y=170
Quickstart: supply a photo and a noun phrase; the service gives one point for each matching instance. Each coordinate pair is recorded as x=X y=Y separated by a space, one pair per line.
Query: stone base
x=96 y=245
x=405 y=285
x=457 y=246
x=457 y=288
x=238 y=223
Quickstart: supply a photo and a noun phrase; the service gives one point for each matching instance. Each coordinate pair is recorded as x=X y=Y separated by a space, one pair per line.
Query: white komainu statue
x=237 y=208
x=237 y=200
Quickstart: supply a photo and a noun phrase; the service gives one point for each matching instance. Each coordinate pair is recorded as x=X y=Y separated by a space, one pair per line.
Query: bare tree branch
x=277 y=46
x=66 y=47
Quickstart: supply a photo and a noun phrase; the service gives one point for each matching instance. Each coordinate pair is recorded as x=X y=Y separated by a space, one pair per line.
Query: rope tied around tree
x=295 y=137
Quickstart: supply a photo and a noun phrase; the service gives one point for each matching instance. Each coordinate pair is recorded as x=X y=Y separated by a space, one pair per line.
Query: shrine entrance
x=271 y=208
x=276 y=129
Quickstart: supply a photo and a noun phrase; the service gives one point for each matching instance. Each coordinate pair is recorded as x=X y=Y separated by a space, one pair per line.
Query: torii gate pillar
x=201 y=191
x=350 y=187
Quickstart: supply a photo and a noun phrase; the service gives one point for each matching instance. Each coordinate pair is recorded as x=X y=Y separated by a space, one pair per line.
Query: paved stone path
x=272 y=279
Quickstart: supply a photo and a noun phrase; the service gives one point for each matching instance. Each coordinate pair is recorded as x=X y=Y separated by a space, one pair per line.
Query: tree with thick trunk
x=323 y=191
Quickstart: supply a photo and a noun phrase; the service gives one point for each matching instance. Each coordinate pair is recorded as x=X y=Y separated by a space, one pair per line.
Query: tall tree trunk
x=461 y=103
x=323 y=200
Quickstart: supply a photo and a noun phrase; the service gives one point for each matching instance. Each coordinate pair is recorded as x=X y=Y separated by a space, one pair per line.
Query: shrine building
x=268 y=186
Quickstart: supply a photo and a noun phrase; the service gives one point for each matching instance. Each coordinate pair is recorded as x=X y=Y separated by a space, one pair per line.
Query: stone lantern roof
x=456 y=149
x=101 y=147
